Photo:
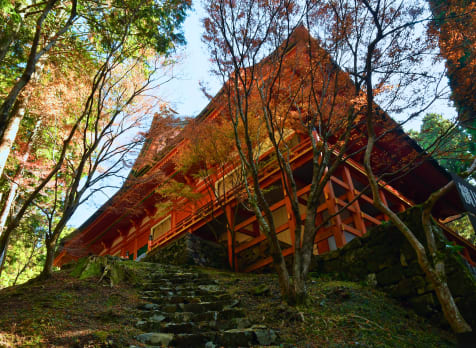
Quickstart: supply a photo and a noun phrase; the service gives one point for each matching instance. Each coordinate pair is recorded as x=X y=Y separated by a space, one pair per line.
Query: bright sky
x=184 y=92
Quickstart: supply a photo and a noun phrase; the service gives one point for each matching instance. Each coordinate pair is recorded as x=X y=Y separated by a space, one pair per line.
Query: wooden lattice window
x=228 y=182
x=162 y=227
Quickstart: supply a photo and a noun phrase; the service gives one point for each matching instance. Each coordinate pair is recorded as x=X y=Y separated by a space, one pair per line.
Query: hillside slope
x=66 y=311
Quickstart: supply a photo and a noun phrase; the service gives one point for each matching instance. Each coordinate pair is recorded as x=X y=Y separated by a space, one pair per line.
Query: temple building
x=136 y=220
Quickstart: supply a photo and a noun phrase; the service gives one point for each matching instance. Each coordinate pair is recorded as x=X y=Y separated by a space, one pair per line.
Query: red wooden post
x=332 y=208
x=323 y=245
x=229 y=216
x=357 y=215
x=123 y=242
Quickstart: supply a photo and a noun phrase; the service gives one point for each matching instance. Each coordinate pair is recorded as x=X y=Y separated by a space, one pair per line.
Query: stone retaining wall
x=384 y=258
x=190 y=250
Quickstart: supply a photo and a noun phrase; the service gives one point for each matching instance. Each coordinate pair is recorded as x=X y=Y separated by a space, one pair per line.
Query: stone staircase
x=185 y=308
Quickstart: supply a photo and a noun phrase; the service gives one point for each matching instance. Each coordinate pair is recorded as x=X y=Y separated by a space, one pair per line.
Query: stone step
x=181 y=292
x=247 y=337
x=176 y=282
x=181 y=287
x=232 y=314
x=221 y=325
x=174 y=299
x=203 y=306
x=228 y=338
x=168 y=327
x=188 y=309
x=193 y=340
x=178 y=328
x=188 y=299
x=236 y=338
x=178 y=278
x=156 y=339
x=207 y=316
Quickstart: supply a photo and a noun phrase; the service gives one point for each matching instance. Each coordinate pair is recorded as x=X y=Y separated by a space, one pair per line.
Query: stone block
x=330 y=255
x=265 y=337
x=372 y=279
x=237 y=338
x=154 y=338
x=413 y=269
x=403 y=289
x=333 y=266
x=379 y=259
x=390 y=275
x=353 y=244
x=424 y=305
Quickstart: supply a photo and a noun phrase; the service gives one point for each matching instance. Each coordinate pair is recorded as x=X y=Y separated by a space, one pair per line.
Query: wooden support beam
x=256 y=228
x=352 y=230
x=259 y=239
x=267 y=261
x=253 y=233
x=248 y=221
x=384 y=201
x=339 y=182
x=135 y=223
x=324 y=235
x=230 y=241
x=371 y=219
x=122 y=233
x=357 y=215
x=332 y=208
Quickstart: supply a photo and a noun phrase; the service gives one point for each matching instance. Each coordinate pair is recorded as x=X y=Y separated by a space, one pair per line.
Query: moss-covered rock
x=106 y=268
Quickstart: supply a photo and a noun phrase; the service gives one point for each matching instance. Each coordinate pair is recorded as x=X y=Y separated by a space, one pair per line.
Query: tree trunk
x=448 y=305
x=4 y=240
x=299 y=281
x=450 y=310
x=8 y=206
x=12 y=127
x=283 y=276
x=50 y=256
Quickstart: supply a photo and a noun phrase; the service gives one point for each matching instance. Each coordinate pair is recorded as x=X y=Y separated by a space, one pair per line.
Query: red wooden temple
x=130 y=225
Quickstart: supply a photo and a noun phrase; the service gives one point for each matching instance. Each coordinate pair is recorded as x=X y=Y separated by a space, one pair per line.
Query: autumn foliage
x=455 y=27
